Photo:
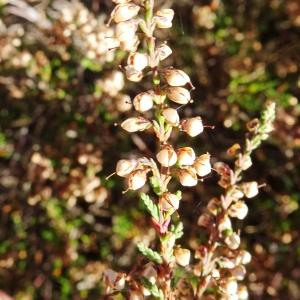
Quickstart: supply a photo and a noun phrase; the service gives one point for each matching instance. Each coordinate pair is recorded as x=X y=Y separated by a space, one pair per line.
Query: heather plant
x=221 y=262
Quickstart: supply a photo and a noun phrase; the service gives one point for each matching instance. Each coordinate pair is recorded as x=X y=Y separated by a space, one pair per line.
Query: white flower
x=188 y=176
x=135 y=124
x=163 y=51
x=175 y=77
x=178 y=95
x=238 y=210
x=164 y=18
x=182 y=256
x=169 y=201
x=192 y=126
x=202 y=165
x=125 y=167
x=138 y=61
x=132 y=74
x=137 y=179
x=186 y=156
x=124 y=12
x=171 y=116
x=233 y=241
x=167 y=157
x=250 y=189
x=143 y=101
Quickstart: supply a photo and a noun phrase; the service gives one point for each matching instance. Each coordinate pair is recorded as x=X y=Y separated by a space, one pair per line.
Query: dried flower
x=238 y=272
x=171 y=116
x=125 y=12
x=143 y=101
x=135 y=124
x=164 y=18
x=137 y=179
x=125 y=167
x=169 y=201
x=238 y=210
x=204 y=220
x=114 y=280
x=150 y=273
x=192 y=126
x=139 y=61
x=182 y=256
x=175 y=77
x=250 y=189
x=178 y=95
x=167 y=157
x=233 y=241
x=202 y=165
x=186 y=156
x=163 y=51
x=188 y=176
x=132 y=74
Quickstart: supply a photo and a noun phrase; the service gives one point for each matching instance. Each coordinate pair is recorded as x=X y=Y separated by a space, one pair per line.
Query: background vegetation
x=61 y=222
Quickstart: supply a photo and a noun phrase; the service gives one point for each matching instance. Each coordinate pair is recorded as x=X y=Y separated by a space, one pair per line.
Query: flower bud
x=186 y=156
x=171 y=116
x=178 y=95
x=202 y=165
x=187 y=176
x=164 y=18
x=150 y=273
x=125 y=167
x=114 y=280
x=123 y=103
x=125 y=31
x=139 y=61
x=243 y=293
x=143 y=101
x=233 y=241
x=169 y=201
x=250 y=189
x=163 y=51
x=167 y=156
x=175 y=77
x=137 y=179
x=244 y=257
x=135 y=124
x=193 y=126
x=182 y=256
x=124 y=12
x=204 y=220
x=238 y=210
x=132 y=74
x=238 y=272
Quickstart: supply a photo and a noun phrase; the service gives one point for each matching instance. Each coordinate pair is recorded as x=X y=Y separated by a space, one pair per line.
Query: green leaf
x=155 y=185
x=150 y=206
x=149 y=253
x=177 y=230
x=153 y=289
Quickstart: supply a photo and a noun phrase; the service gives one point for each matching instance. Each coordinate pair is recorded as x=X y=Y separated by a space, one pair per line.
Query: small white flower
x=163 y=51
x=192 y=126
x=164 y=18
x=135 y=124
x=169 y=201
x=143 y=101
x=125 y=167
x=178 y=95
x=124 y=12
x=250 y=189
x=175 y=77
x=182 y=256
x=137 y=179
x=186 y=156
x=202 y=165
x=233 y=241
x=188 y=176
x=138 y=61
x=171 y=116
x=238 y=210
x=167 y=157
x=132 y=74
